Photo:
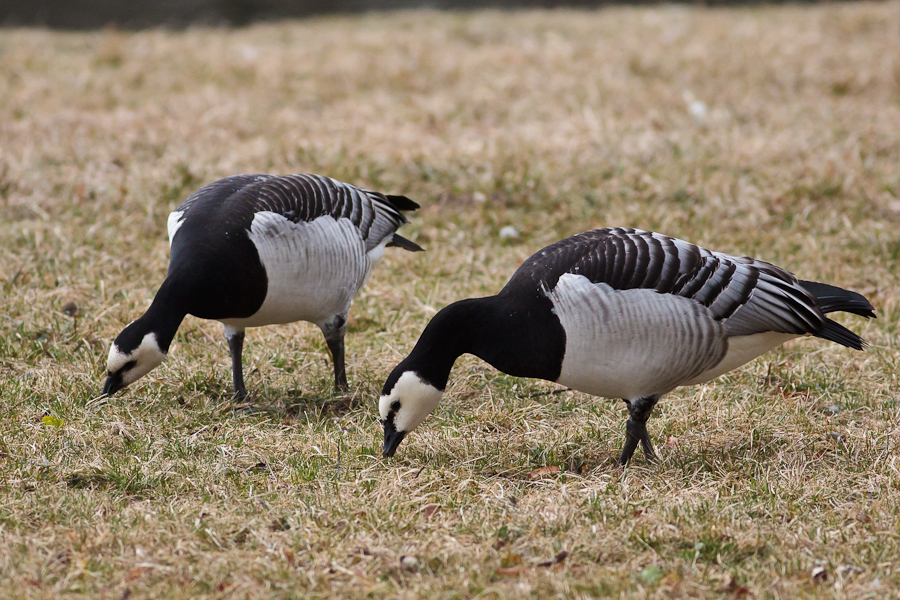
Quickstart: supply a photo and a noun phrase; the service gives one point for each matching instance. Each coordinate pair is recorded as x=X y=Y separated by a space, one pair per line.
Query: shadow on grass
x=727 y=454
x=293 y=404
x=733 y=453
x=133 y=483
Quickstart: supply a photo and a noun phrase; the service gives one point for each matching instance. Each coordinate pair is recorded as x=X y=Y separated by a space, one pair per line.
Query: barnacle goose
x=618 y=313
x=252 y=250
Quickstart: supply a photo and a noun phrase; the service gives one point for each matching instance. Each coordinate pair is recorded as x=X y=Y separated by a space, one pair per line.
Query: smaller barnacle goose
x=252 y=250
x=618 y=313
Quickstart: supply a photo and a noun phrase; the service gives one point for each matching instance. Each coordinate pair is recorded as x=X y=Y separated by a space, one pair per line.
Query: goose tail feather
x=399 y=241
x=402 y=202
x=832 y=299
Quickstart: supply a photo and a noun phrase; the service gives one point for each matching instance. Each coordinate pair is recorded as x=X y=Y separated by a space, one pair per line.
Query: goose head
x=133 y=354
x=407 y=398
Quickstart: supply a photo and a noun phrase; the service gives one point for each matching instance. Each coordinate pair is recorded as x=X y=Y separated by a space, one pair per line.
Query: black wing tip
x=835 y=332
x=398 y=241
x=402 y=202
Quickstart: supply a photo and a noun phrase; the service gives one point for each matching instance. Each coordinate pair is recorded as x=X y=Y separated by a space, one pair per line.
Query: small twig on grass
x=558 y=559
x=338 y=465
x=419 y=472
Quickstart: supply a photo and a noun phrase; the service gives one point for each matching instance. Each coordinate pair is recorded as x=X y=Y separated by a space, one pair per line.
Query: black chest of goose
x=618 y=313
x=254 y=250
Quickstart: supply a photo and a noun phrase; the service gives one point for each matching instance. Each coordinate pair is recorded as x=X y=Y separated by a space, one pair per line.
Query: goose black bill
x=392 y=438
x=113 y=384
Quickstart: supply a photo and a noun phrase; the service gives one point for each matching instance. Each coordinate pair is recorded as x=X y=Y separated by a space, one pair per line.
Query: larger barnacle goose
x=618 y=313
x=252 y=250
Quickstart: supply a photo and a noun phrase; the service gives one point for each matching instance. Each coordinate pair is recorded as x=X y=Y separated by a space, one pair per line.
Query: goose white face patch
x=145 y=357
x=411 y=401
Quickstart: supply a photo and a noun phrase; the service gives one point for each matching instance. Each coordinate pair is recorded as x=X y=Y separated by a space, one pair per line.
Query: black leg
x=235 y=339
x=334 y=337
x=636 y=429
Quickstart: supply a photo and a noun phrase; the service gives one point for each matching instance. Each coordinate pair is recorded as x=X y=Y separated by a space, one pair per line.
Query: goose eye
x=395 y=405
x=129 y=365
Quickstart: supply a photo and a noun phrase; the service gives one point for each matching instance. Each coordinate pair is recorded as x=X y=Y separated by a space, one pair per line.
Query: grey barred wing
x=389 y=216
x=751 y=296
x=748 y=295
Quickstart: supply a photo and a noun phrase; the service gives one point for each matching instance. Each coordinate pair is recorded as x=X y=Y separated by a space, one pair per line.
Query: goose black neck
x=523 y=339
x=163 y=318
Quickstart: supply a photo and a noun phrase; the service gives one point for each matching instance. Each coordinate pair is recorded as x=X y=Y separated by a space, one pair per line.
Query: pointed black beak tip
x=113 y=384
x=392 y=439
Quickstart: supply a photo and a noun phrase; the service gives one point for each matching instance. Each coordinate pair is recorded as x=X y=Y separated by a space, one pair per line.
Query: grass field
x=773 y=132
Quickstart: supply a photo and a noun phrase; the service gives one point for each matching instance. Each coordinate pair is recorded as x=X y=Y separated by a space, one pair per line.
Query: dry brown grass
x=553 y=122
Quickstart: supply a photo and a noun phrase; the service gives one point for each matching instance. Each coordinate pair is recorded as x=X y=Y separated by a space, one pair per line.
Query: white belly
x=314 y=269
x=632 y=343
